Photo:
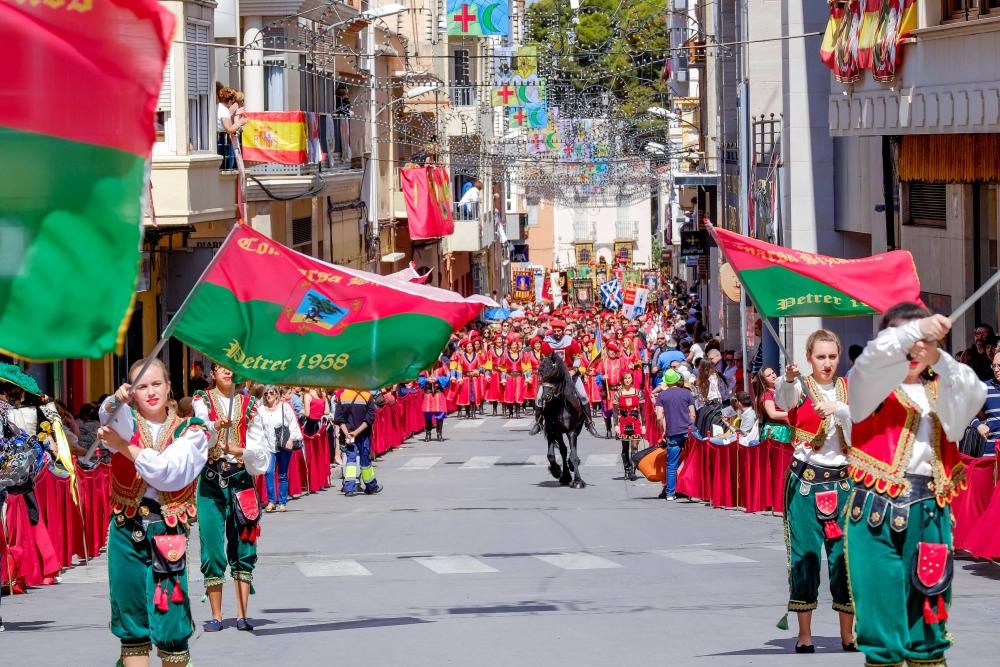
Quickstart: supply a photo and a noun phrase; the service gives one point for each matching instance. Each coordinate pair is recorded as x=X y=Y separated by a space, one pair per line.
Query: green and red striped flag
x=276 y=316
x=78 y=90
x=784 y=282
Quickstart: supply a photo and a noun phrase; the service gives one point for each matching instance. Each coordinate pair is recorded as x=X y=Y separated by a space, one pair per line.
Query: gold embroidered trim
x=215 y=396
x=133 y=650
x=846 y=608
x=245 y=577
x=815 y=440
x=174 y=657
x=931 y=662
x=797 y=605
x=211 y=582
x=893 y=473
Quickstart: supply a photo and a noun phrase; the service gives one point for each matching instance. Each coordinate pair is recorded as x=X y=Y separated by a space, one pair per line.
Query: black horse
x=563 y=416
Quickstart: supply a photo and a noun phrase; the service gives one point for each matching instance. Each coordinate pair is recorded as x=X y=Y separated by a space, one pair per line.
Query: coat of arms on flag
x=611 y=293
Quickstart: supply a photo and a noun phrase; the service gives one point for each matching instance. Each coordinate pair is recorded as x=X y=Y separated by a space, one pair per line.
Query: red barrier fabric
x=969 y=507
x=748 y=477
x=983 y=540
x=34 y=555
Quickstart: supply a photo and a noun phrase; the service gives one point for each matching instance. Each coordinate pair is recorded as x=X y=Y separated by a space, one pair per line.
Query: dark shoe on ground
x=851 y=647
x=372 y=492
x=663 y=494
x=214 y=625
x=351 y=493
x=243 y=625
x=805 y=648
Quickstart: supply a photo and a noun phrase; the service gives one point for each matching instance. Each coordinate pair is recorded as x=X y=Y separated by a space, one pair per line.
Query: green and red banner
x=784 y=282
x=277 y=316
x=428 y=202
x=78 y=91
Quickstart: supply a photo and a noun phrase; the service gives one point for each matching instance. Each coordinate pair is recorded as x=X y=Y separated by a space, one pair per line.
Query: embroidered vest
x=243 y=414
x=128 y=488
x=808 y=427
x=882 y=446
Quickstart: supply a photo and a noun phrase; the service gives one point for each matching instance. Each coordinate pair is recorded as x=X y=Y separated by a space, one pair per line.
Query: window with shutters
x=926 y=204
x=200 y=96
x=164 y=119
x=274 y=85
x=302 y=235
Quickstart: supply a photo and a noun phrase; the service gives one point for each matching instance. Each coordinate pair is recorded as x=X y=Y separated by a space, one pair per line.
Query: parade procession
x=501 y=332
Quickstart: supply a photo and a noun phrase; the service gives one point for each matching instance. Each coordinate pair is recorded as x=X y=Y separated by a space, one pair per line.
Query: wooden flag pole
x=168 y=331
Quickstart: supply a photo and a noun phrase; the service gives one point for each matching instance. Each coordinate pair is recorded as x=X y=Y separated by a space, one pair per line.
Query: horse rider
x=566 y=348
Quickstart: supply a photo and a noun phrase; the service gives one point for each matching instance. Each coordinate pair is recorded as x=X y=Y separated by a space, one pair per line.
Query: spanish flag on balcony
x=275 y=136
x=78 y=91
x=866 y=35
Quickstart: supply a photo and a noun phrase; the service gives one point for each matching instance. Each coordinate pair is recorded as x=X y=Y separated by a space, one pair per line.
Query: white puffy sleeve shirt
x=170 y=470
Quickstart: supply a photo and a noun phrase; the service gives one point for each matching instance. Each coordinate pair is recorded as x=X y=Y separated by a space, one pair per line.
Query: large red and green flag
x=78 y=90
x=784 y=282
x=276 y=316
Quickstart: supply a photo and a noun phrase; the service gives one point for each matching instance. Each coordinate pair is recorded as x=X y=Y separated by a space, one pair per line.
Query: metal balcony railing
x=583 y=230
x=463 y=96
x=468 y=212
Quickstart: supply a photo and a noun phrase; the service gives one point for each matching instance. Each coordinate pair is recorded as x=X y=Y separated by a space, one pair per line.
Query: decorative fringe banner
x=950 y=158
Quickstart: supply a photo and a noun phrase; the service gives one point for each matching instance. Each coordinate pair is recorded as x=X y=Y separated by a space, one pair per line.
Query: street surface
x=474 y=556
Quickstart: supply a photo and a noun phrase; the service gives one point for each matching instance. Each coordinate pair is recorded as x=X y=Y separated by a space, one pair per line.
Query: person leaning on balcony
x=226 y=127
x=470 y=198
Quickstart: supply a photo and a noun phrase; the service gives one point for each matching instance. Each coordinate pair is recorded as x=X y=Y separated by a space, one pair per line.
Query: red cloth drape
x=969 y=507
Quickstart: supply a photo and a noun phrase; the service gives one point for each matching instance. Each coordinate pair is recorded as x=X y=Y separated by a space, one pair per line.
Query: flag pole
x=763 y=318
x=168 y=331
x=974 y=297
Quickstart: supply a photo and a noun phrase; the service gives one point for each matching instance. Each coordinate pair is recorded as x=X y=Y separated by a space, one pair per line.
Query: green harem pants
x=219 y=529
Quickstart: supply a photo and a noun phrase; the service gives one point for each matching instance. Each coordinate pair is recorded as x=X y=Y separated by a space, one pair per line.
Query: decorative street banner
x=651 y=280
x=71 y=224
x=866 y=35
x=790 y=283
x=583 y=292
x=275 y=136
x=476 y=18
x=524 y=286
x=279 y=317
x=635 y=302
x=611 y=293
x=534 y=116
x=518 y=92
x=555 y=289
x=526 y=61
x=428 y=202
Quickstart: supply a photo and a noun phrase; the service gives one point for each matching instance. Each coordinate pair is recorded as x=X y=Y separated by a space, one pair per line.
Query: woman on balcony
x=226 y=126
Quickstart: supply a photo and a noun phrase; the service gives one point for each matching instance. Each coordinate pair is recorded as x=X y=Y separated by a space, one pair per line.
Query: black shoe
x=663 y=494
x=805 y=648
x=377 y=489
x=850 y=648
x=243 y=625
x=214 y=625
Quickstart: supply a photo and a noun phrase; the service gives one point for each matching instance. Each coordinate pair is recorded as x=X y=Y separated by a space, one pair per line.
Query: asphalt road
x=474 y=556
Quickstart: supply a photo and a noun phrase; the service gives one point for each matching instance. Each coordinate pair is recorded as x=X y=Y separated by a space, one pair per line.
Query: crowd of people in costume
x=875 y=461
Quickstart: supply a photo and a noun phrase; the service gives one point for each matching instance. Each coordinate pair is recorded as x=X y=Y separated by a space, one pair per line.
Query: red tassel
x=157 y=592
x=161 y=602
x=178 y=595
x=832 y=530
x=942 y=609
x=930 y=618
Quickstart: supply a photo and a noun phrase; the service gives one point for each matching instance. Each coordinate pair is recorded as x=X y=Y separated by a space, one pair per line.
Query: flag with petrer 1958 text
x=276 y=316
x=784 y=282
x=78 y=90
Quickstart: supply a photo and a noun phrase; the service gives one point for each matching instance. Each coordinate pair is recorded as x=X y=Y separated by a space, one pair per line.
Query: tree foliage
x=618 y=45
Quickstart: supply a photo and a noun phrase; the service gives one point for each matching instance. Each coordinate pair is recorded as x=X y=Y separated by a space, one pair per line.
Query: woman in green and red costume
x=228 y=507
x=907 y=469
x=157 y=458
x=817 y=486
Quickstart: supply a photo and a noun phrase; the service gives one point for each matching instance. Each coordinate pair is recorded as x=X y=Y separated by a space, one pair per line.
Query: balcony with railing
x=583 y=231
x=323 y=144
x=626 y=230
